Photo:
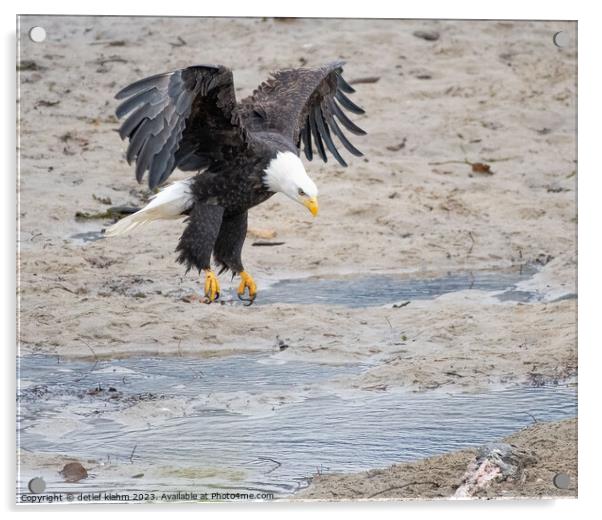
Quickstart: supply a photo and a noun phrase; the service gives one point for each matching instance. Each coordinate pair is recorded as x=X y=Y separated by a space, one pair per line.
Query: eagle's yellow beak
x=312 y=205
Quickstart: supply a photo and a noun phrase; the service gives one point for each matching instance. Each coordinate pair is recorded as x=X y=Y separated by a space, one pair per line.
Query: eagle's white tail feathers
x=169 y=203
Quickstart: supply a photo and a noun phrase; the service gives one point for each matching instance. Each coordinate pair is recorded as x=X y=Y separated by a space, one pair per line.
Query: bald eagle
x=243 y=152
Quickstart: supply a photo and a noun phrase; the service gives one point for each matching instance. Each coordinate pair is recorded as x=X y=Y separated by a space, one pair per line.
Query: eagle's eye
x=301 y=192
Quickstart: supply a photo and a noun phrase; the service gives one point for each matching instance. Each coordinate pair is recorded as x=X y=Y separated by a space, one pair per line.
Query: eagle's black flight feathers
x=190 y=119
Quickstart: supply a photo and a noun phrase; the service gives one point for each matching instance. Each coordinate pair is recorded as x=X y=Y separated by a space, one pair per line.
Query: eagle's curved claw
x=211 y=286
x=247 y=282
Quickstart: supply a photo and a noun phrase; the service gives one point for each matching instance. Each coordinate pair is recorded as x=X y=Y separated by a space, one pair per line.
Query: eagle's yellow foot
x=211 y=286
x=247 y=282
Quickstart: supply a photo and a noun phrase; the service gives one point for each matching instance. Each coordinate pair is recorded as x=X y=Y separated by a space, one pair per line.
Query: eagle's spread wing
x=305 y=105
x=183 y=119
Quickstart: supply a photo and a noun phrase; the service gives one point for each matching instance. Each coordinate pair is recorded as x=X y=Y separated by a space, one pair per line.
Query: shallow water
x=361 y=290
x=250 y=422
x=380 y=289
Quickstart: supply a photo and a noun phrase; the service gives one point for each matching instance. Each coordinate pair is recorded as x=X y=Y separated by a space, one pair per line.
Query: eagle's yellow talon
x=247 y=282
x=211 y=286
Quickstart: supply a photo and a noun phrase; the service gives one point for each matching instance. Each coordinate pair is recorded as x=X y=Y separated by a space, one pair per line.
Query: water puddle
x=376 y=290
x=87 y=236
x=247 y=422
x=363 y=290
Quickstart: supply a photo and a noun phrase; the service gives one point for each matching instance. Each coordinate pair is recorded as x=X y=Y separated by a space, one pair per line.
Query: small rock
x=190 y=298
x=399 y=146
x=429 y=36
x=543 y=259
x=261 y=233
x=281 y=344
x=74 y=472
x=483 y=168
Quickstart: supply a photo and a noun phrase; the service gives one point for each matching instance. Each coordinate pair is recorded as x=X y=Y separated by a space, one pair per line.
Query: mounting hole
x=37 y=485
x=37 y=34
x=562 y=481
x=562 y=39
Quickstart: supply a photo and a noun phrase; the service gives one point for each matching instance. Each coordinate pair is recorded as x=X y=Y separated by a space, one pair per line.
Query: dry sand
x=493 y=92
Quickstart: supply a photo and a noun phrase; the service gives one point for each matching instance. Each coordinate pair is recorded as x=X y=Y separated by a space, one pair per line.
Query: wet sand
x=546 y=449
x=489 y=92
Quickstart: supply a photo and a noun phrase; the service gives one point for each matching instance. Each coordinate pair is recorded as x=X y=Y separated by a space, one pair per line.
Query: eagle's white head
x=286 y=174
